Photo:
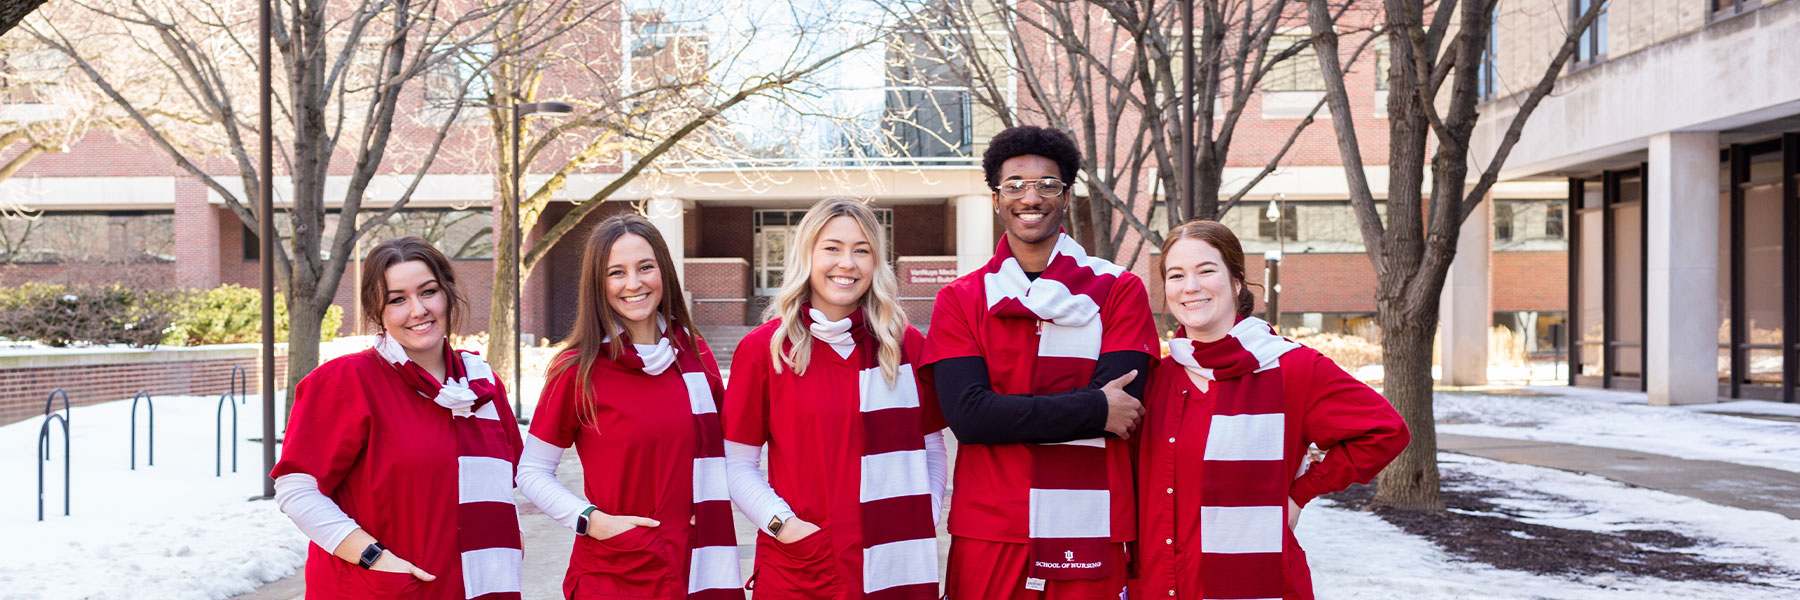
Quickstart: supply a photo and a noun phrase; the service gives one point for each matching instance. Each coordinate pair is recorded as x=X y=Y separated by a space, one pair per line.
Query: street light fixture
x=1276 y=214
x=519 y=112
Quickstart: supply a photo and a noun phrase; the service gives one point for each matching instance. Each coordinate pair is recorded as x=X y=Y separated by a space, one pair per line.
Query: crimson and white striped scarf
x=712 y=561
x=1071 y=500
x=899 y=539
x=488 y=522
x=1243 y=499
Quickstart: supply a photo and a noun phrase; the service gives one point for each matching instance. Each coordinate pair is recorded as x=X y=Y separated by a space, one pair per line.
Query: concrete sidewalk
x=1722 y=483
x=548 y=544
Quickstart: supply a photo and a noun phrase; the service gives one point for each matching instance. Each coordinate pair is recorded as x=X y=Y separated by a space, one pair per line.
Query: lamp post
x=519 y=112
x=1272 y=260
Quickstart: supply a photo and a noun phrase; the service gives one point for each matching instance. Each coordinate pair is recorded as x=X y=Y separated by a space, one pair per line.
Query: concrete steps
x=724 y=341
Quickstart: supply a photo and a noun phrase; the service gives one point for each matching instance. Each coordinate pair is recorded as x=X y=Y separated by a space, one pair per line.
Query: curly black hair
x=1031 y=139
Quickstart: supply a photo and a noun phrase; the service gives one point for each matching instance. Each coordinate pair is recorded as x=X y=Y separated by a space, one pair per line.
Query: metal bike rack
x=151 y=405
x=43 y=449
x=219 y=444
x=239 y=386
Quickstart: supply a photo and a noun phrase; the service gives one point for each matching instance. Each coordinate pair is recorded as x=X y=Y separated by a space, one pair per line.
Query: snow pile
x=167 y=531
x=1356 y=554
x=1623 y=420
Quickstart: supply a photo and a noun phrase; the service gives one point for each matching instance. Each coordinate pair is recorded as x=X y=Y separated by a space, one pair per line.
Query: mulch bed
x=1476 y=528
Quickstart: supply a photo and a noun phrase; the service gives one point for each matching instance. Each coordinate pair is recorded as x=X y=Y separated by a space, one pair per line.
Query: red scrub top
x=993 y=482
x=813 y=426
x=1355 y=426
x=637 y=459
x=387 y=456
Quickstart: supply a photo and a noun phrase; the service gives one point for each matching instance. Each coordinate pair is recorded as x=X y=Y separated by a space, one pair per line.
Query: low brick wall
x=93 y=377
x=920 y=279
x=719 y=290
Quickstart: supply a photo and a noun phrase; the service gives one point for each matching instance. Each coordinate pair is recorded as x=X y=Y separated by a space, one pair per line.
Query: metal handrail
x=149 y=404
x=219 y=444
x=43 y=450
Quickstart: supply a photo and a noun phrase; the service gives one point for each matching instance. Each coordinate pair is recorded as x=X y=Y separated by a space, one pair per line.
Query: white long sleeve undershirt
x=298 y=496
x=937 y=465
x=537 y=481
x=749 y=490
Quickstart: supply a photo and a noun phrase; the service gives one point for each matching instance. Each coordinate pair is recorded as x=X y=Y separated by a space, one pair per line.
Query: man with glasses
x=1039 y=359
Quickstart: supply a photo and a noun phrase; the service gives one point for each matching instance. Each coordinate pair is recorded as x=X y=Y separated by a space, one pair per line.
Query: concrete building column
x=1681 y=343
x=667 y=215
x=1464 y=315
x=974 y=232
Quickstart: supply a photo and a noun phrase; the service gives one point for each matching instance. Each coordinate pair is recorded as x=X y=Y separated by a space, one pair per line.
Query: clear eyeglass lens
x=1048 y=188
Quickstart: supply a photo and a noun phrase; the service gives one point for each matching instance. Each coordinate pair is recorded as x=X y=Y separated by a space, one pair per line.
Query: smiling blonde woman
x=857 y=461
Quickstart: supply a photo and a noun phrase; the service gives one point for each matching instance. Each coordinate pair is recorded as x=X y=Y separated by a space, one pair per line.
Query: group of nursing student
x=1090 y=466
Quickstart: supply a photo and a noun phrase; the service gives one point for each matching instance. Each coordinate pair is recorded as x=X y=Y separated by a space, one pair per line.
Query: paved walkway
x=548 y=543
x=1722 y=483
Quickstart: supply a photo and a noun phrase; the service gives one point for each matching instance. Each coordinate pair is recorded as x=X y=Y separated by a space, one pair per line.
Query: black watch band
x=371 y=554
x=581 y=522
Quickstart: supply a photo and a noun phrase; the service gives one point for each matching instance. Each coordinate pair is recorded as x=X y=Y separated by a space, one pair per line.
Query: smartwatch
x=581 y=522
x=370 y=555
x=774 y=526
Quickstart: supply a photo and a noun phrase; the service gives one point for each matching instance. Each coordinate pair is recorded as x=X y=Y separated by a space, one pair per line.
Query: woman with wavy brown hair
x=398 y=460
x=636 y=393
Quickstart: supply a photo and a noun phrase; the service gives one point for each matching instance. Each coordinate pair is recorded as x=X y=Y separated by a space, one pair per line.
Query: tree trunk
x=1411 y=481
x=304 y=319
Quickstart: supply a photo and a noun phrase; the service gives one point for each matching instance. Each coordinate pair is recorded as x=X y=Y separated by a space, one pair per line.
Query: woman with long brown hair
x=399 y=459
x=636 y=393
x=1229 y=414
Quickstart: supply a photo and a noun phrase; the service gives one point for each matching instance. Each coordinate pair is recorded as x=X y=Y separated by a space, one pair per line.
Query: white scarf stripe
x=492 y=570
x=906 y=562
x=1240 y=529
x=1246 y=437
x=892 y=475
x=877 y=395
x=483 y=479
x=707 y=487
x=713 y=568
x=1071 y=513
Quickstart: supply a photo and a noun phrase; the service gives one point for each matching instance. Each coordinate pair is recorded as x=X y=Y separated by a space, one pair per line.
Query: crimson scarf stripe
x=901 y=518
x=713 y=527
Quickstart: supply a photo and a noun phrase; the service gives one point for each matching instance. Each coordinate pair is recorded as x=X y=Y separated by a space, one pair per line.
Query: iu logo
x=1069 y=555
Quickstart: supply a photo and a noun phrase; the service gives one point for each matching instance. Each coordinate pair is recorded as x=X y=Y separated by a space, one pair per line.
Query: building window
x=1299 y=73
x=1722 y=9
x=1487 y=82
x=1383 y=54
x=1529 y=226
x=1503 y=222
x=1592 y=45
x=87 y=237
x=466 y=234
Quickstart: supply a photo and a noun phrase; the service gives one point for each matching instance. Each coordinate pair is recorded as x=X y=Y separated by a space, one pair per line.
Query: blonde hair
x=881 y=304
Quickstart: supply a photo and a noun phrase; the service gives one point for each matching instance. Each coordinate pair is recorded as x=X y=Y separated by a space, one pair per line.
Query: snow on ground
x=1624 y=420
x=167 y=531
x=1355 y=554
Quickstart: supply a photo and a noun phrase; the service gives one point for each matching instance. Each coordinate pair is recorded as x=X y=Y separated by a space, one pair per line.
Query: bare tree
x=344 y=71
x=660 y=95
x=1432 y=45
x=13 y=12
x=1111 y=72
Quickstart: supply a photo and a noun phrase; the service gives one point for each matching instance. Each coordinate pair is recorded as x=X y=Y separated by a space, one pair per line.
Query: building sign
x=938 y=276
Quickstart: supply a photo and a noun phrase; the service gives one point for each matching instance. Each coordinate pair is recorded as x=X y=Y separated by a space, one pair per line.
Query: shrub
x=232 y=314
x=60 y=315
x=1349 y=351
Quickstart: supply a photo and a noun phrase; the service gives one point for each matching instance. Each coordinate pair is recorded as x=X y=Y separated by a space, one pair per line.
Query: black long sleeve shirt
x=979 y=415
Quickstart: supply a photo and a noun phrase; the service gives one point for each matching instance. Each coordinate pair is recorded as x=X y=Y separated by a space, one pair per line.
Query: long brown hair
x=1218 y=236
x=373 y=287
x=596 y=325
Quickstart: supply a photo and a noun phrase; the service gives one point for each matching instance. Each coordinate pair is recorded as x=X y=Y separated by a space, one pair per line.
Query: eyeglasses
x=1048 y=187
